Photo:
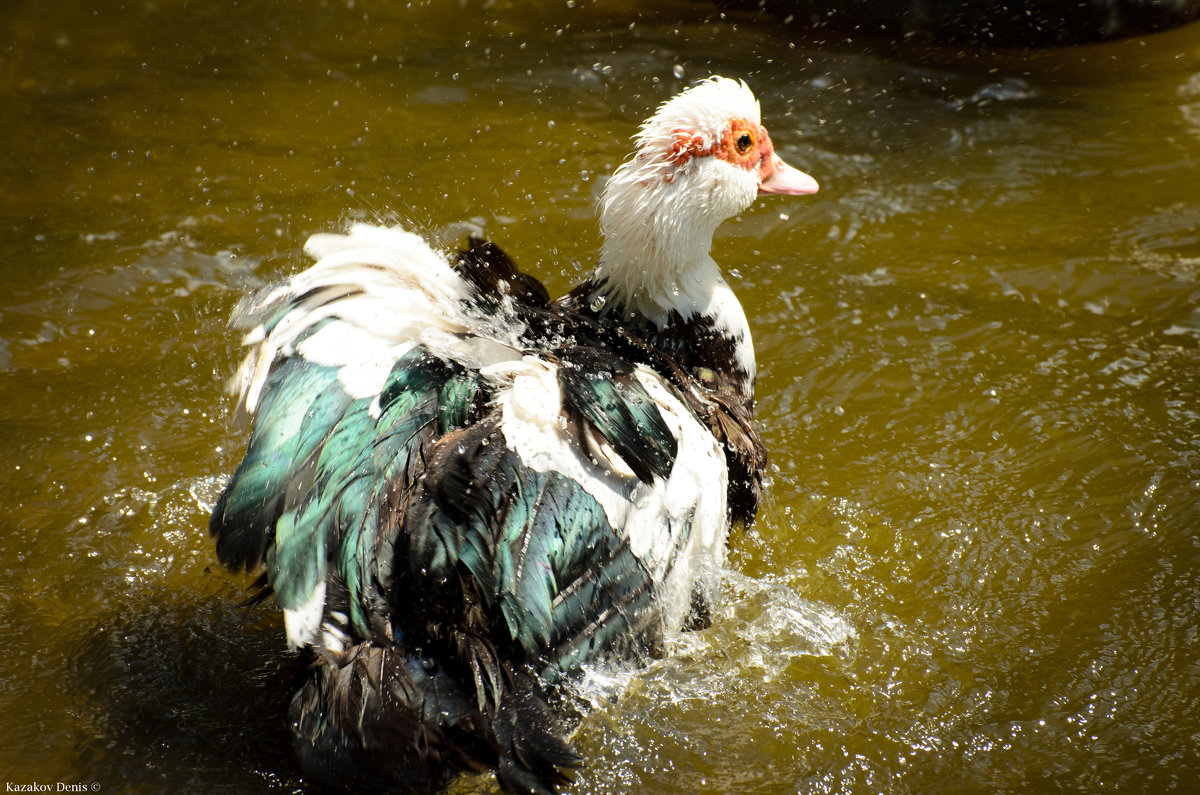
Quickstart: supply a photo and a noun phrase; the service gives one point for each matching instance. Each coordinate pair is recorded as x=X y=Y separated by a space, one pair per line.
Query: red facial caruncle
x=744 y=144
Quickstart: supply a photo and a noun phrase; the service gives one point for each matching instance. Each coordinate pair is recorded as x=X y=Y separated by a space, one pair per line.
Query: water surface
x=978 y=568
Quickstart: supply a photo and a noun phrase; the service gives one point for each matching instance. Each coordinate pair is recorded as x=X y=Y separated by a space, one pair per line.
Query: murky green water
x=979 y=569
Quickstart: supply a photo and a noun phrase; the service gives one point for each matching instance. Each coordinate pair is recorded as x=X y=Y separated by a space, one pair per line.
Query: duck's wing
x=355 y=368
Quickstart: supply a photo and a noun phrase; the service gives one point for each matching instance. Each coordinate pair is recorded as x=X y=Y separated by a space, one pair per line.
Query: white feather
x=333 y=637
x=301 y=623
x=382 y=291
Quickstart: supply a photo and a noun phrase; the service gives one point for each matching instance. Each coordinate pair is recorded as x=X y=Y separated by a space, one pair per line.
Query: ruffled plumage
x=460 y=490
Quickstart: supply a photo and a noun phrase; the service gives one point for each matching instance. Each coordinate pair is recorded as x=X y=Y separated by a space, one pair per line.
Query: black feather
x=494 y=276
x=375 y=715
x=599 y=385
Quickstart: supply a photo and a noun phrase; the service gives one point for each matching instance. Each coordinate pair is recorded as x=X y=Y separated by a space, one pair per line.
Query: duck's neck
x=656 y=239
x=656 y=276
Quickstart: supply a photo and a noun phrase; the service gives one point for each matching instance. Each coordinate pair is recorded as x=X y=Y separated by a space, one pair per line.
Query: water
x=978 y=568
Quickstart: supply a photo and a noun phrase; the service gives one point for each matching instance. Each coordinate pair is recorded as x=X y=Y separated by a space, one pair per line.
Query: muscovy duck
x=461 y=490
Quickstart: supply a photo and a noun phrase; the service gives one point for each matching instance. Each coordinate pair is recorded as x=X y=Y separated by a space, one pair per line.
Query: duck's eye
x=744 y=143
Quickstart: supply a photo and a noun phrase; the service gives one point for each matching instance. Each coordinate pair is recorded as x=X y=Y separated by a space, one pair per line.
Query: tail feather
x=535 y=755
x=378 y=714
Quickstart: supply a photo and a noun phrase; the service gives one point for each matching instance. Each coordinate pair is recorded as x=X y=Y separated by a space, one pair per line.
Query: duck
x=460 y=491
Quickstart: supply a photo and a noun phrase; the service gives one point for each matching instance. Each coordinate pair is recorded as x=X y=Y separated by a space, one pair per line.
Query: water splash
x=759 y=630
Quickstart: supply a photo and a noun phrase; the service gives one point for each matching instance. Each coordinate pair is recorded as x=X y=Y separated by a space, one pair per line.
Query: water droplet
x=598 y=303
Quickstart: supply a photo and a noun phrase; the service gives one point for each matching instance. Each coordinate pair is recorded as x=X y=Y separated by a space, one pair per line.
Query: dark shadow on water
x=186 y=694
